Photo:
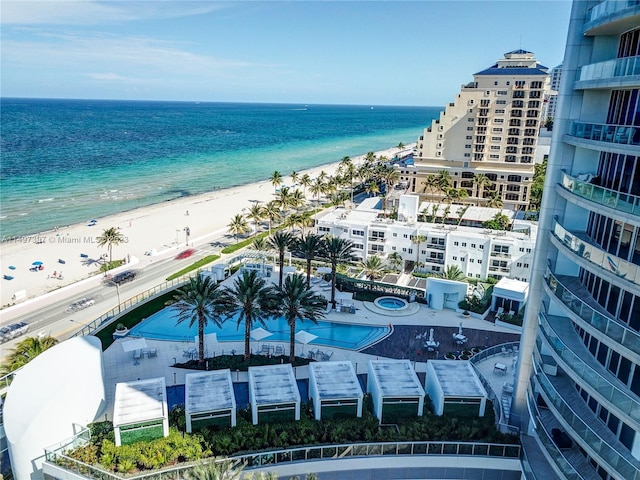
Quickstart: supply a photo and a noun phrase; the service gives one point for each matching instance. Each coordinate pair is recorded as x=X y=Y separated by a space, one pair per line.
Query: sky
x=314 y=52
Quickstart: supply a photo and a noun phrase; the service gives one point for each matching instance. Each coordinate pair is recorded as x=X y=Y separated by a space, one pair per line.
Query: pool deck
x=404 y=342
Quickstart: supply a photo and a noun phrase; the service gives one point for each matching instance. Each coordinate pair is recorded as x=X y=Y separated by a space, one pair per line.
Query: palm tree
x=372 y=188
x=238 y=226
x=260 y=244
x=336 y=250
x=418 y=239
x=295 y=176
x=226 y=470
x=401 y=146
x=316 y=189
x=309 y=247
x=202 y=301
x=443 y=181
x=431 y=182
x=305 y=182
x=373 y=267
x=272 y=212
x=285 y=198
x=296 y=301
x=481 y=181
x=256 y=213
x=275 y=179
x=110 y=237
x=390 y=177
x=395 y=260
x=25 y=351
x=460 y=212
x=280 y=241
x=252 y=303
x=453 y=272
x=495 y=200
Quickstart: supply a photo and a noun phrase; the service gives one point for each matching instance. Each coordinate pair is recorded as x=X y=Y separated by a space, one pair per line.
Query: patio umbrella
x=131 y=345
x=209 y=339
x=431 y=334
x=305 y=337
x=460 y=329
x=259 y=334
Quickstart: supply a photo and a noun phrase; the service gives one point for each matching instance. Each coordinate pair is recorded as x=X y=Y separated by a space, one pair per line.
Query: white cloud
x=89 y=12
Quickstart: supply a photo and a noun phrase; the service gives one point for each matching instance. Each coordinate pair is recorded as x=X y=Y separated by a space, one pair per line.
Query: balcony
x=436 y=246
x=437 y=261
x=563 y=400
x=621 y=202
x=614 y=135
x=594 y=255
x=573 y=356
x=619 y=72
x=578 y=300
x=612 y=17
x=504 y=270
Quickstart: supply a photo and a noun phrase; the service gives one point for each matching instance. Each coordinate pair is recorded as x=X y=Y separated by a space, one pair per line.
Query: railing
x=606 y=452
x=302 y=454
x=622 y=202
x=595 y=255
x=620 y=67
x=610 y=6
x=612 y=328
x=603 y=132
x=109 y=317
x=495 y=350
x=609 y=391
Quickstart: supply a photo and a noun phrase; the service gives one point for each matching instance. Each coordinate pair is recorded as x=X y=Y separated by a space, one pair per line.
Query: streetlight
x=187 y=232
x=117 y=293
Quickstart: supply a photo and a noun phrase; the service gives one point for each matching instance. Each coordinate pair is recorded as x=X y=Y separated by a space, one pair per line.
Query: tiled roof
x=513 y=71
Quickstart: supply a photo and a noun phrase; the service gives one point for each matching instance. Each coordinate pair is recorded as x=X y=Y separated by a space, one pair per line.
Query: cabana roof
x=395 y=378
x=273 y=385
x=457 y=379
x=335 y=380
x=139 y=401
x=209 y=392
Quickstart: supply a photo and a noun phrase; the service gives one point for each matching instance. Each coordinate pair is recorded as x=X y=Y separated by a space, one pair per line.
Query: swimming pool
x=391 y=303
x=162 y=326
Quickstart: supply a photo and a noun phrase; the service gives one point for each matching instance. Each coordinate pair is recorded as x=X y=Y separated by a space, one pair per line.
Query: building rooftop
x=495 y=70
x=335 y=380
x=457 y=379
x=209 y=391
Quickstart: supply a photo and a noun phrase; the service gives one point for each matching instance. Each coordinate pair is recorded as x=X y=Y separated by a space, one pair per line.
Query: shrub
x=194 y=266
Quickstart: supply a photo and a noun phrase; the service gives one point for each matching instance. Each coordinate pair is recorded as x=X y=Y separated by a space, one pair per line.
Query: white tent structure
x=273 y=388
x=208 y=397
x=140 y=411
x=334 y=386
x=59 y=389
x=394 y=382
x=454 y=384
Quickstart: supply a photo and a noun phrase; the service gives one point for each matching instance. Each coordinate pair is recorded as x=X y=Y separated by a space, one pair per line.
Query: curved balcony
x=622 y=202
x=561 y=396
x=615 y=330
x=620 y=138
x=612 y=73
x=612 y=16
x=592 y=375
x=614 y=267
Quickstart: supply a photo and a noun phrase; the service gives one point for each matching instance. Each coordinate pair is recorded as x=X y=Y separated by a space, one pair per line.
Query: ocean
x=67 y=161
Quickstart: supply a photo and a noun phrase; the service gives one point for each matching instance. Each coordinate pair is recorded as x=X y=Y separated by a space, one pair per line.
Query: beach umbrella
x=36 y=264
x=209 y=340
x=260 y=333
x=431 y=335
x=131 y=345
x=11 y=267
x=305 y=337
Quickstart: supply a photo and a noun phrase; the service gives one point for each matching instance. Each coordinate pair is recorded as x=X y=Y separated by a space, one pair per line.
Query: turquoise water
x=66 y=161
x=162 y=326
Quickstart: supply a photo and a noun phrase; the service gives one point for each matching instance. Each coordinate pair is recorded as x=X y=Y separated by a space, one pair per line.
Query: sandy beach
x=158 y=228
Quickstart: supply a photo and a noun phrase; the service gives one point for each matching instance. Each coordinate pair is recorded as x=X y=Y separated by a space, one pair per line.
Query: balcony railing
x=324 y=452
x=436 y=246
x=603 y=132
x=610 y=6
x=609 y=391
x=583 y=430
x=613 y=329
x=602 y=196
x=620 y=67
x=596 y=256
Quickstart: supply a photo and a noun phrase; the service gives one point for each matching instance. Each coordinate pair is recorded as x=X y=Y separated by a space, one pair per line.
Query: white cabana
x=510 y=295
x=454 y=385
x=394 y=383
x=273 y=388
x=209 y=399
x=140 y=411
x=334 y=386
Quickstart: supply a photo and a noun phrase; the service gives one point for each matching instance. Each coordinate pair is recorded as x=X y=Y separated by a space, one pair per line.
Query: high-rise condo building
x=491 y=128
x=578 y=386
x=551 y=101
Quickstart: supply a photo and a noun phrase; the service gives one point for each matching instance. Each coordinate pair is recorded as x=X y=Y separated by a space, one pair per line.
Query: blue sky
x=355 y=52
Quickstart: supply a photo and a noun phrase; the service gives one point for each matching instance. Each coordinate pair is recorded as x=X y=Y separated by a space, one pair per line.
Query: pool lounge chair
x=153 y=352
x=279 y=350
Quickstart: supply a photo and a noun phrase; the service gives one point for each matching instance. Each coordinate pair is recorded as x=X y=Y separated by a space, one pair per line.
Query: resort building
x=490 y=128
x=551 y=100
x=432 y=247
x=577 y=395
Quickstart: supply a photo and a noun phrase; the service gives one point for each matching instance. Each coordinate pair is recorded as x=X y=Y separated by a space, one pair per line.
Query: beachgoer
x=187 y=214
x=54 y=274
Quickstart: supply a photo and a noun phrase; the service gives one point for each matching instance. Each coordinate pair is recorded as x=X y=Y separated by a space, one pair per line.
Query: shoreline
x=72 y=251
